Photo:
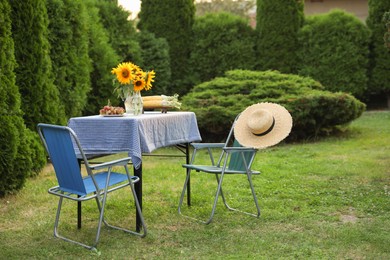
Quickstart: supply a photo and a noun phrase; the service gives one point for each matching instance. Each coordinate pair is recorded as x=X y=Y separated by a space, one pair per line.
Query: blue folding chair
x=233 y=159
x=100 y=181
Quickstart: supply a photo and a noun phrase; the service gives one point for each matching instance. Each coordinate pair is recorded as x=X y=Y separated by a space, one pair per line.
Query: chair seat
x=215 y=169
x=101 y=178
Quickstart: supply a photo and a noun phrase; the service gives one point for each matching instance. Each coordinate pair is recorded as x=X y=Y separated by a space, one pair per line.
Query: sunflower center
x=138 y=83
x=125 y=73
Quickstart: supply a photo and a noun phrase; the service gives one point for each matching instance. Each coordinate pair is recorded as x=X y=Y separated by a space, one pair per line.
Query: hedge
x=315 y=111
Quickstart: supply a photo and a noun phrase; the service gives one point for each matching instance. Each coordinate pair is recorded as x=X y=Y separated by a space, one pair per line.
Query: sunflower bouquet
x=131 y=78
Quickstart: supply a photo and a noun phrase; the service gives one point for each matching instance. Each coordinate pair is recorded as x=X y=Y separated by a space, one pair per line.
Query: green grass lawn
x=326 y=199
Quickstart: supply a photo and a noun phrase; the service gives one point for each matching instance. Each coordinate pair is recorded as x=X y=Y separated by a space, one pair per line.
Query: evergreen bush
x=222 y=42
x=379 y=76
x=68 y=36
x=315 y=111
x=121 y=31
x=277 y=26
x=335 y=52
x=104 y=58
x=172 y=20
x=20 y=153
x=34 y=75
x=155 y=56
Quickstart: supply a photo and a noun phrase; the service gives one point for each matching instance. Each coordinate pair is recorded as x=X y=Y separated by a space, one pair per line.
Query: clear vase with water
x=134 y=104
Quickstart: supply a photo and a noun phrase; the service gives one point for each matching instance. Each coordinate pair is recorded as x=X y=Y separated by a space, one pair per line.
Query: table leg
x=189 y=180
x=138 y=191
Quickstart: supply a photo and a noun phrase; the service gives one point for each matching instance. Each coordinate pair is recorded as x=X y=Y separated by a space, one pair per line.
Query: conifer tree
x=379 y=69
x=20 y=152
x=68 y=36
x=172 y=20
x=277 y=26
x=121 y=31
x=155 y=56
x=34 y=76
x=103 y=58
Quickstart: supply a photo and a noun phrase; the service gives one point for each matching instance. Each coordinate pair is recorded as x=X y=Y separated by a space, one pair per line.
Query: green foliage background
x=20 y=153
x=104 y=58
x=34 y=75
x=277 y=26
x=68 y=37
x=335 y=52
x=155 y=56
x=121 y=31
x=222 y=42
x=379 y=76
x=172 y=20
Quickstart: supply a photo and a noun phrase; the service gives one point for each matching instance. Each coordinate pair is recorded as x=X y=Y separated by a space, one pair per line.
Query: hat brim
x=281 y=129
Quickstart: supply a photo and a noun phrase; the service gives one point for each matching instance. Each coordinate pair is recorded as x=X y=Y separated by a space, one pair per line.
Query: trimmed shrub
x=222 y=42
x=121 y=31
x=386 y=36
x=34 y=75
x=172 y=20
x=277 y=25
x=379 y=76
x=104 y=58
x=315 y=111
x=20 y=153
x=68 y=36
x=335 y=52
x=155 y=56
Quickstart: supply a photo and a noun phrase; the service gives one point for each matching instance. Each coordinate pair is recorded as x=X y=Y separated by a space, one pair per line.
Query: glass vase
x=134 y=103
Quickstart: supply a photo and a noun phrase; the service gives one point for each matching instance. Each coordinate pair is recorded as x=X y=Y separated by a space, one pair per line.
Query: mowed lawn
x=322 y=199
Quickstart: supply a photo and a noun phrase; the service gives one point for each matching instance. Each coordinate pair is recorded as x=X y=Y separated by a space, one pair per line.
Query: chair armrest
x=239 y=149
x=119 y=162
x=207 y=145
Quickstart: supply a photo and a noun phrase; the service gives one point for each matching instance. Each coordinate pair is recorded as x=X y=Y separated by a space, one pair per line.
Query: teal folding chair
x=99 y=181
x=233 y=159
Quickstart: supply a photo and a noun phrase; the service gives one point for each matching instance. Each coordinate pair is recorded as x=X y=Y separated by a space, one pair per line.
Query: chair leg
x=208 y=221
x=254 y=199
x=56 y=224
x=140 y=215
x=139 y=212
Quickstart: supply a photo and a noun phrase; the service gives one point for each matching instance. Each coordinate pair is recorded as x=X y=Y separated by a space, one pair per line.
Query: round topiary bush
x=315 y=111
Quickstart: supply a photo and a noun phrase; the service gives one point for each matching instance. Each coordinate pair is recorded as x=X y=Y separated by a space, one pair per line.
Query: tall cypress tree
x=19 y=153
x=379 y=70
x=34 y=77
x=121 y=31
x=155 y=56
x=277 y=25
x=68 y=35
x=104 y=58
x=172 y=20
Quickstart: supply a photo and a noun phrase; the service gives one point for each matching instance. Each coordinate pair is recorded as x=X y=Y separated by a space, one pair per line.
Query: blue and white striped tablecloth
x=134 y=134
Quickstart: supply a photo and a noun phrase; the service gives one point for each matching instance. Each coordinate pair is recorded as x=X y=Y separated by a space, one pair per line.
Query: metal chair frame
x=232 y=160
x=93 y=186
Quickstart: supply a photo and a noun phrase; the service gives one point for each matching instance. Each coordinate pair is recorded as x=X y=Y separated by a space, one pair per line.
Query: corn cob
x=161 y=101
x=152 y=98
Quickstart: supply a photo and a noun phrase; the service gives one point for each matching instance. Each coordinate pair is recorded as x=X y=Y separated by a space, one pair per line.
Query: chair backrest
x=59 y=146
x=236 y=161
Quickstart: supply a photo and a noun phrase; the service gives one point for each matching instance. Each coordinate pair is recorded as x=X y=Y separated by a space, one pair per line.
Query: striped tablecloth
x=134 y=134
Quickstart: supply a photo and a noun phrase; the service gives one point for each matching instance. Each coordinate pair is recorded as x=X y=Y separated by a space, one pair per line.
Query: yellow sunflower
x=124 y=72
x=149 y=79
x=139 y=84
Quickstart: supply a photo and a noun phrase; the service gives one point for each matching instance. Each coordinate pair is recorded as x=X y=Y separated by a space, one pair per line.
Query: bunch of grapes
x=110 y=110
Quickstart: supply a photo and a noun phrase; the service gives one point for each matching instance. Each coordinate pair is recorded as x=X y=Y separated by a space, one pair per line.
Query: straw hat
x=262 y=125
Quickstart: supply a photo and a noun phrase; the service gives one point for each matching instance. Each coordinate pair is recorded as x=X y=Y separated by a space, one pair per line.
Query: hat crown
x=260 y=121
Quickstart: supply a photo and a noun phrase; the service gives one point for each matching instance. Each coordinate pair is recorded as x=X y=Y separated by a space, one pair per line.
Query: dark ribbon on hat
x=269 y=129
